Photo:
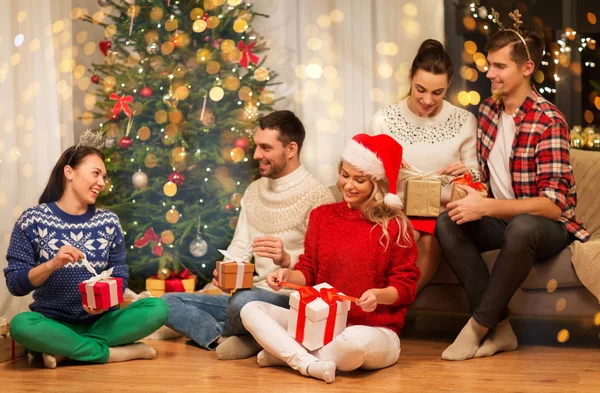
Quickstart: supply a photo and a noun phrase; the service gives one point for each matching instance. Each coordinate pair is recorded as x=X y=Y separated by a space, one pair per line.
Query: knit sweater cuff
x=23 y=282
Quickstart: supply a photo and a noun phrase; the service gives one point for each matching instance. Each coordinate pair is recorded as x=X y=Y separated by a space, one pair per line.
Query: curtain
x=36 y=70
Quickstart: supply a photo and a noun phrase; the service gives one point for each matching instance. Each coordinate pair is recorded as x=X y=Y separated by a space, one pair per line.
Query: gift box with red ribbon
x=101 y=291
x=180 y=282
x=9 y=348
x=317 y=315
x=467 y=180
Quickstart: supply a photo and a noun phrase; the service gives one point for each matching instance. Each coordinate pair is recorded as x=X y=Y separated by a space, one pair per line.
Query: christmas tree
x=178 y=95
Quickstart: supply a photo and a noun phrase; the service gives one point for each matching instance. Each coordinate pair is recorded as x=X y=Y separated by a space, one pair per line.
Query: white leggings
x=357 y=346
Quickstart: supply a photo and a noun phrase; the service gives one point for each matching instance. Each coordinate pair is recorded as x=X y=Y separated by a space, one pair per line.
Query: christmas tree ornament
x=146 y=92
x=172 y=216
x=153 y=48
x=261 y=74
x=229 y=206
x=577 y=141
x=163 y=273
x=178 y=178
x=150 y=237
x=247 y=55
x=196 y=13
x=125 y=142
x=95 y=79
x=140 y=180
x=122 y=104
x=216 y=93
x=167 y=237
x=199 y=26
x=243 y=143
x=170 y=99
x=240 y=26
x=111 y=57
x=198 y=246
x=150 y=161
x=170 y=189
x=104 y=46
x=237 y=154
x=114 y=117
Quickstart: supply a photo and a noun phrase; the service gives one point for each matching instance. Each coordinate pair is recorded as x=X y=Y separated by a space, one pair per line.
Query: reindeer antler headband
x=517 y=22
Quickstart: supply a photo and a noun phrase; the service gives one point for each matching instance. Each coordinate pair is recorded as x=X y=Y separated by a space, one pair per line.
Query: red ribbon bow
x=122 y=104
x=247 y=55
x=148 y=237
x=307 y=295
x=467 y=180
x=173 y=282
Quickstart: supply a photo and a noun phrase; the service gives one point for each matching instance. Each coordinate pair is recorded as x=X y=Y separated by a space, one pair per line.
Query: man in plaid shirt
x=523 y=150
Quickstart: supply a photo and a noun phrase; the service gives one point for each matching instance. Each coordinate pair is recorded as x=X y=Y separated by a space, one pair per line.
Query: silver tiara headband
x=89 y=138
x=517 y=22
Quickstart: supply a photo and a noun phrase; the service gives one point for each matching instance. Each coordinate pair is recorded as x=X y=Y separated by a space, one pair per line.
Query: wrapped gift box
x=422 y=197
x=102 y=294
x=9 y=349
x=235 y=275
x=467 y=180
x=316 y=317
x=158 y=287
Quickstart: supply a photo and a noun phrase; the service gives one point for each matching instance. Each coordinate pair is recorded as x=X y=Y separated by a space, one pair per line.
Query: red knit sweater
x=343 y=249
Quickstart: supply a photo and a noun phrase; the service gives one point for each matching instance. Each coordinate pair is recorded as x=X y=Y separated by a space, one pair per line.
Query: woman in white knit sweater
x=436 y=136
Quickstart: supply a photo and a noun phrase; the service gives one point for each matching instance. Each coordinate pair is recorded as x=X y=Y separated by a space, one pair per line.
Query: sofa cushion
x=558 y=268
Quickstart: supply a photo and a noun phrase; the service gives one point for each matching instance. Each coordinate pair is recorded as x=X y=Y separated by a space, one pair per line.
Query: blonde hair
x=375 y=210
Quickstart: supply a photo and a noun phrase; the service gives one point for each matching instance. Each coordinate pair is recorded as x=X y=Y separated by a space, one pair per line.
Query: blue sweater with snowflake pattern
x=36 y=238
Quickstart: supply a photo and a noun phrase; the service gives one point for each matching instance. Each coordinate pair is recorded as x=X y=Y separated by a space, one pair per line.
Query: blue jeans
x=205 y=318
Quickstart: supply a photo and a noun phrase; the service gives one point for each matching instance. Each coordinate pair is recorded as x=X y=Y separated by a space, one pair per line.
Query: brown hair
x=289 y=126
x=534 y=39
x=376 y=211
x=73 y=156
x=432 y=57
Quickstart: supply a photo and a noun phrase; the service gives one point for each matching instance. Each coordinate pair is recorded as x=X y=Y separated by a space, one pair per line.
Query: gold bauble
x=245 y=93
x=245 y=15
x=589 y=141
x=232 y=83
x=167 y=48
x=237 y=154
x=163 y=273
x=144 y=133
x=240 y=26
x=167 y=141
x=234 y=56
x=180 y=39
x=151 y=36
x=576 y=129
x=171 y=24
x=250 y=112
x=203 y=55
x=171 y=100
x=216 y=93
x=170 y=189
x=178 y=154
x=156 y=62
x=227 y=46
x=167 y=236
x=150 y=161
x=199 y=26
x=261 y=74
x=171 y=130
x=196 y=13
x=212 y=22
x=267 y=97
x=175 y=116
x=589 y=131
x=182 y=92
x=179 y=71
x=156 y=14
x=172 y=216
x=111 y=57
x=160 y=116
x=213 y=67
x=209 y=5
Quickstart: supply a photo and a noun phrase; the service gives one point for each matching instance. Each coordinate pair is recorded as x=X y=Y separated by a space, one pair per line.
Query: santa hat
x=379 y=156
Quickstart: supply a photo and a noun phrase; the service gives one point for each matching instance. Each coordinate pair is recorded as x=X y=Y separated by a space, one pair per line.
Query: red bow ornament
x=150 y=236
x=247 y=55
x=122 y=104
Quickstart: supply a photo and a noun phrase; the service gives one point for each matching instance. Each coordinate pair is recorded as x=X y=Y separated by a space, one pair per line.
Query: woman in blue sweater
x=48 y=243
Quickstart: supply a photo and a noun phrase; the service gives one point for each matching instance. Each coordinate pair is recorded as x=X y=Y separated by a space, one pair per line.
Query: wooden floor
x=181 y=367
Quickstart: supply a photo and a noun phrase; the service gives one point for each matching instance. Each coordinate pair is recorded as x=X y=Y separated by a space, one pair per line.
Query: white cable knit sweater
x=278 y=207
x=431 y=143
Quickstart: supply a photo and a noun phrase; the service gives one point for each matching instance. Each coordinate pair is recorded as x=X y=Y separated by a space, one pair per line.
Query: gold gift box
x=458 y=193
x=422 y=197
x=228 y=279
x=156 y=286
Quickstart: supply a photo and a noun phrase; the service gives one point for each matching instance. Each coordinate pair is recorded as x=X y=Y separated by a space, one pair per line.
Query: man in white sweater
x=273 y=218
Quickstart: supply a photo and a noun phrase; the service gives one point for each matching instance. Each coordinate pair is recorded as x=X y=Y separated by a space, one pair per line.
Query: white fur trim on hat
x=363 y=159
x=392 y=200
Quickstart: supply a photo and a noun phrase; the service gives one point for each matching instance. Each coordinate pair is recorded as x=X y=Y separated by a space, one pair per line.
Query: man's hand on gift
x=368 y=301
x=455 y=169
x=272 y=247
x=92 y=311
x=470 y=208
x=66 y=254
x=274 y=279
x=215 y=281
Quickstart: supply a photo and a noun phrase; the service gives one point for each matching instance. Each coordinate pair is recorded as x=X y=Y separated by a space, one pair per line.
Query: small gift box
x=467 y=180
x=317 y=315
x=9 y=348
x=182 y=282
x=101 y=291
x=235 y=272
x=422 y=197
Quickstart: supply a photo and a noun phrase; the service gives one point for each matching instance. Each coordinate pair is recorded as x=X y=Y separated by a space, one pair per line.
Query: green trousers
x=89 y=342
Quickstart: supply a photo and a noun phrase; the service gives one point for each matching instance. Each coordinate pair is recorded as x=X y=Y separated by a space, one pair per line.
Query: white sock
x=266 y=359
x=324 y=370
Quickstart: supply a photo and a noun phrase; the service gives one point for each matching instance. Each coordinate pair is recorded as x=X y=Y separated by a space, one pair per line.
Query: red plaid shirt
x=540 y=159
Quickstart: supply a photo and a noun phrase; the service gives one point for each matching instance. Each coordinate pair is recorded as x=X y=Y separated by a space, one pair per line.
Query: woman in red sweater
x=364 y=248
